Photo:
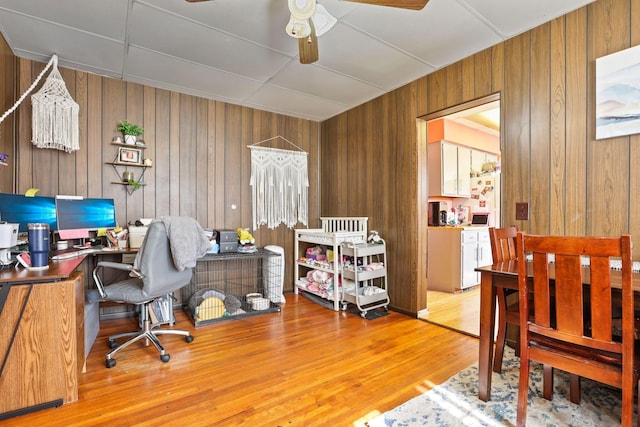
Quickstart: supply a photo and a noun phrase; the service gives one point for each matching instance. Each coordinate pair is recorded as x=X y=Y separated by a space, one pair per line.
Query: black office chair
x=153 y=275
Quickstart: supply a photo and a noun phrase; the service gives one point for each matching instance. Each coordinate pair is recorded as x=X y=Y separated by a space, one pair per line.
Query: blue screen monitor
x=85 y=213
x=19 y=209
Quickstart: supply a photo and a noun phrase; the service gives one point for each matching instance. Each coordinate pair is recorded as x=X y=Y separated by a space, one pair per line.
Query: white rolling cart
x=368 y=274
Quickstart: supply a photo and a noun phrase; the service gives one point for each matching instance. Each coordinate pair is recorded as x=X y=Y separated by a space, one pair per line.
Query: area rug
x=456 y=403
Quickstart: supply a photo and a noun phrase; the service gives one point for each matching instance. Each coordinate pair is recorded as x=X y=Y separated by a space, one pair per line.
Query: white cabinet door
x=484 y=249
x=476 y=252
x=464 y=171
x=469 y=257
x=449 y=170
x=479 y=158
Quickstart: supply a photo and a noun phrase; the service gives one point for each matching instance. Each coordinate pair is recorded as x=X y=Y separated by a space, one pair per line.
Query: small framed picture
x=129 y=155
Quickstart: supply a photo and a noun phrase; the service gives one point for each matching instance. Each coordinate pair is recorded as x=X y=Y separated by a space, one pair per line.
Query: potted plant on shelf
x=134 y=184
x=130 y=131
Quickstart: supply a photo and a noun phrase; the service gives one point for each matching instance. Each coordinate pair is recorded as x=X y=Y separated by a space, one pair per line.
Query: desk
x=505 y=275
x=58 y=270
x=41 y=336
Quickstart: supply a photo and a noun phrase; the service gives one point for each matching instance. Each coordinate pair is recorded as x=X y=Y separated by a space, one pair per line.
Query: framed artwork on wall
x=617 y=94
x=129 y=155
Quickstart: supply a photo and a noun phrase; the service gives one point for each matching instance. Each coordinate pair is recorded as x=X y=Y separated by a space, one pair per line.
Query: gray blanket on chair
x=187 y=240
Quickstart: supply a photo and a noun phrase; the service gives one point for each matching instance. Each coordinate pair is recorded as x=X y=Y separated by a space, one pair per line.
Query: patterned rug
x=456 y=403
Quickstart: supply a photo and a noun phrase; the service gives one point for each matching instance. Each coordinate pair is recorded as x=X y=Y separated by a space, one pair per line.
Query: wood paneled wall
x=369 y=169
x=373 y=163
x=201 y=163
x=7 y=99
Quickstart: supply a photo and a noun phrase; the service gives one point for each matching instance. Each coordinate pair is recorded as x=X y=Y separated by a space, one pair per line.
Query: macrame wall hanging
x=280 y=185
x=54 y=121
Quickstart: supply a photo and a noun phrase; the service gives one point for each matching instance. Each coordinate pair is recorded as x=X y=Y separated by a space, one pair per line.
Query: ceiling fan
x=309 y=20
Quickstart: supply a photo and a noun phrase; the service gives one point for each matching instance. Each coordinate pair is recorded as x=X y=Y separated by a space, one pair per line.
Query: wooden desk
x=505 y=275
x=58 y=270
x=41 y=336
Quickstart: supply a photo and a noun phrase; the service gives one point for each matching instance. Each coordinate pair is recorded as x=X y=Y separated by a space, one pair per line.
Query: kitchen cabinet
x=449 y=169
x=453 y=255
x=479 y=159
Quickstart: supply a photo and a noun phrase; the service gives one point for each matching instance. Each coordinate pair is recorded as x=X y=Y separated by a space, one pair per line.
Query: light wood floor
x=458 y=311
x=304 y=366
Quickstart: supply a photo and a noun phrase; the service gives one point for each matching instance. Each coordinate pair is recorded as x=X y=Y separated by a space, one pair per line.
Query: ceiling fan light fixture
x=298 y=28
x=302 y=9
x=323 y=21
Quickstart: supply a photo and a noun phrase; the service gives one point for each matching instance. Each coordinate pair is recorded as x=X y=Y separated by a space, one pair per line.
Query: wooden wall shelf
x=118 y=165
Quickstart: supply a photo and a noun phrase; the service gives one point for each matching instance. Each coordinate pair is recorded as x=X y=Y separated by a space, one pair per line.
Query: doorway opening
x=463 y=159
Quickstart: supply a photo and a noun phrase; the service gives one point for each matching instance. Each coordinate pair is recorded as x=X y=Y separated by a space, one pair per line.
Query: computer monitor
x=78 y=216
x=19 y=209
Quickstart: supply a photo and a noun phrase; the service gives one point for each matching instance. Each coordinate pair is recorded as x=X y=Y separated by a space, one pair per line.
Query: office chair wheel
x=189 y=338
x=112 y=344
x=165 y=357
x=110 y=363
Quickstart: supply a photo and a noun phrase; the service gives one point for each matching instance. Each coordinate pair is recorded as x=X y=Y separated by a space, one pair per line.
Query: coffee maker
x=437 y=214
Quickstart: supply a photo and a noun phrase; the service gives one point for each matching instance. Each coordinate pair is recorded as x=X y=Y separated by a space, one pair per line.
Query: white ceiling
x=237 y=51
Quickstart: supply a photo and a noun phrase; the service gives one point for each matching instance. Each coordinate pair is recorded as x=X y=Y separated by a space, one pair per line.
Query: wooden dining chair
x=503 y=248
x=571 y=335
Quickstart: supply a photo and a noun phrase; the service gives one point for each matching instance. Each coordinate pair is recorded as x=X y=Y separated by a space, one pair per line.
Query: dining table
x=505 y=275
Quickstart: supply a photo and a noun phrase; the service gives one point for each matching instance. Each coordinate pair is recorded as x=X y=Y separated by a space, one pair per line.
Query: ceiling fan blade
x=196 y=1
x=308 y=46
x=404 y=4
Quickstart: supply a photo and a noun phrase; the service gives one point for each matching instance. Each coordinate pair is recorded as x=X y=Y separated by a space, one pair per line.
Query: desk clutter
x=230 y=241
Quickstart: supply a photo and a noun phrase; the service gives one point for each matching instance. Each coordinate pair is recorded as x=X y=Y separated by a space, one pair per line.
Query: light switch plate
x=522 y=211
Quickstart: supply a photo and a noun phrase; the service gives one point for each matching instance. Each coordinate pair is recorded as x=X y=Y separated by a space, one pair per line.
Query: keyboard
x=73 y=254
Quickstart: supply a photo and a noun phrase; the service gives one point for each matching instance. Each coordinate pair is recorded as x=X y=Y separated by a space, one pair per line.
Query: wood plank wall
x=201 y=163
x=7 y=99
x=373 y=164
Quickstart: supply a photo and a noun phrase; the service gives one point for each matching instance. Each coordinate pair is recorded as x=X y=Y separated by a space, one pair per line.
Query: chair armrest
x=113 y=265
x=116 y=265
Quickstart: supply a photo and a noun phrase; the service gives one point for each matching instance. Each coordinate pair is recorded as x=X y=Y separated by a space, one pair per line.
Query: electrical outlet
x=522 y=211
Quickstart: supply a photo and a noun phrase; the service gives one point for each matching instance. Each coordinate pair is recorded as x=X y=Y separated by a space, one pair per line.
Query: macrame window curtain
x=280 y=185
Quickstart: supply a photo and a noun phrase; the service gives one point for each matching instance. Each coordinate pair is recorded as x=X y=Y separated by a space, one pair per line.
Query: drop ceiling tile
x=352 y=53
x=272 y=98
x=201 y=45
x=186 y=77
x=106 y=18
x=261 y=22
x=324 y=83
x=428 y=34
x=515 y=17
x=34 y=37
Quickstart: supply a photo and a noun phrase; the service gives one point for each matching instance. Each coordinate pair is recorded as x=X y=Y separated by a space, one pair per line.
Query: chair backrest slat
x=568 y=293
x=503 y=243
x=541 y=291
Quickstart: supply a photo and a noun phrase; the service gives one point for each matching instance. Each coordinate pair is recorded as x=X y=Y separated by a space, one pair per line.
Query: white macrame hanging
x=280 y=186
x=54 y=122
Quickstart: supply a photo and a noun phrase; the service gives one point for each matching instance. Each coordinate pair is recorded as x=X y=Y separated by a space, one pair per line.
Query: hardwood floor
x=459 y=311
x=304 y=366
